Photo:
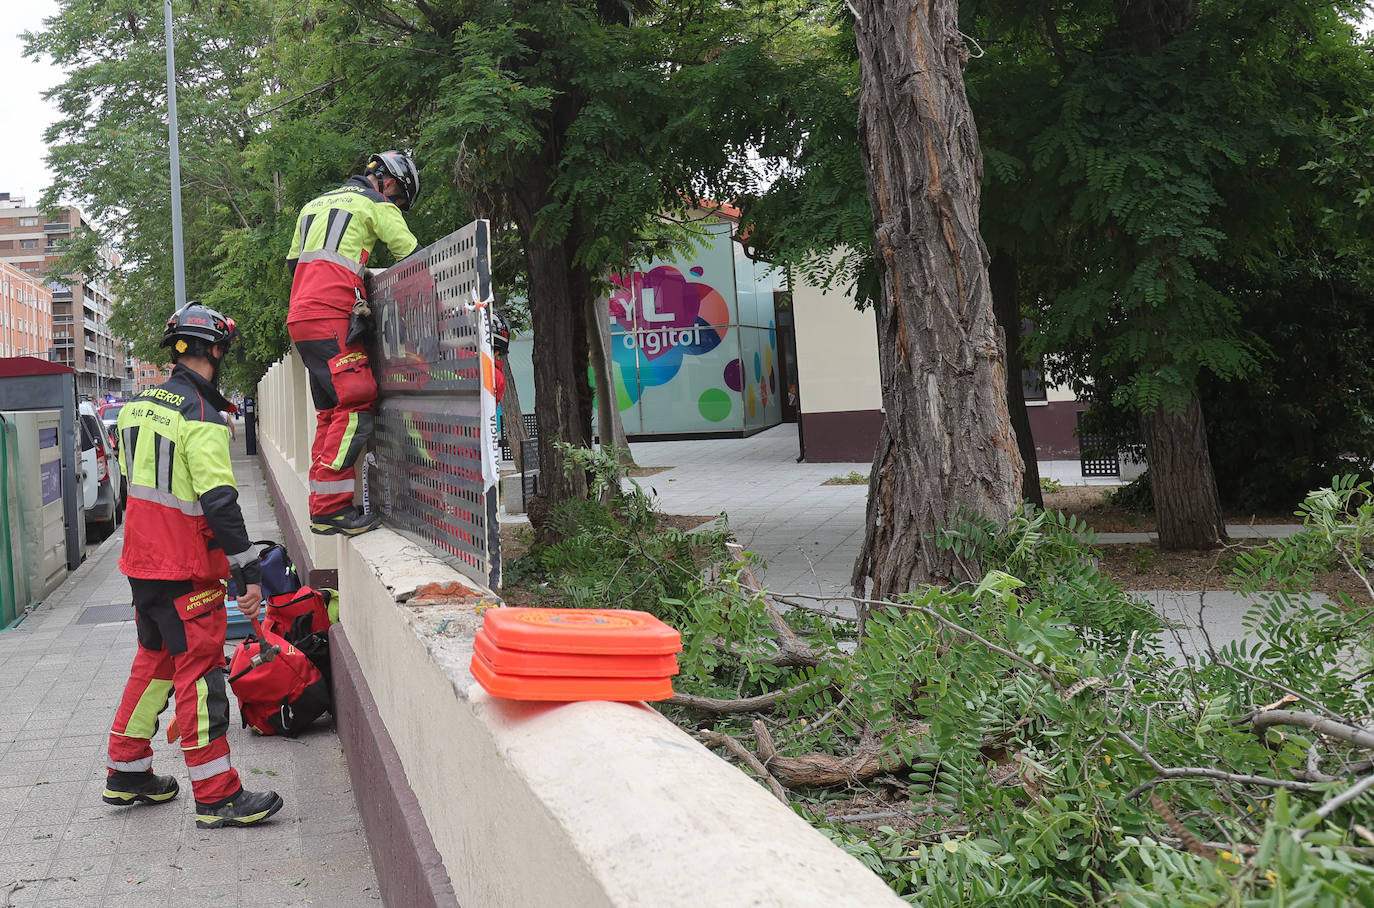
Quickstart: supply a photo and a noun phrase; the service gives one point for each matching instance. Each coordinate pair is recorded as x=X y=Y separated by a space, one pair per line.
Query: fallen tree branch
x=1191 y=843
x=783 y=658
x=790 y=646
x=1042 y=671
x=730 y=707
x=1334 y=804
x=1165 y=773
x=719 y=739
x=1275 y=684
x=767 y=749
x=822 y=770
x=1262 y=722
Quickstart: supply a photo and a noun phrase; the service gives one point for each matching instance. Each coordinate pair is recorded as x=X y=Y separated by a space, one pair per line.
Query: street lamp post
x=178 y=262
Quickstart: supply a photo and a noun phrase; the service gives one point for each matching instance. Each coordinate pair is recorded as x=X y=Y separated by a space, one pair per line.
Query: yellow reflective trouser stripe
x=143 y=722
x=346 y=442
x=202 y=713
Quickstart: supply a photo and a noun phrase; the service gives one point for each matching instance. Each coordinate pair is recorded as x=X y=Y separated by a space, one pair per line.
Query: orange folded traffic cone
x=575 y=654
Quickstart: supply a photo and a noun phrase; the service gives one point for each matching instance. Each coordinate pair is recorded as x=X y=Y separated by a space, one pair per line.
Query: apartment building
x=141 y=376
x=25 y=314
x=81 y=307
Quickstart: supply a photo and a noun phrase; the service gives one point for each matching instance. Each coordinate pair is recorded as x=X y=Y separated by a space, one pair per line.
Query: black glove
x=359 y=322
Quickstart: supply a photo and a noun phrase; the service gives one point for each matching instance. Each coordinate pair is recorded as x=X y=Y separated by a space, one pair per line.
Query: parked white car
x=101 y=488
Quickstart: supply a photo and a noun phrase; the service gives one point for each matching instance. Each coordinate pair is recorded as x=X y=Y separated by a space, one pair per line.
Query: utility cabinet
x=35 y=500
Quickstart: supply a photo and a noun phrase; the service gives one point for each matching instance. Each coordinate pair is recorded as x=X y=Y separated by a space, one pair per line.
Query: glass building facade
x=693 y=342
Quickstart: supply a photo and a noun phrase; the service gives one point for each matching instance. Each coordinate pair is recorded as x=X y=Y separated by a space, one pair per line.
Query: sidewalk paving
x=810 y=534
x=63 y=670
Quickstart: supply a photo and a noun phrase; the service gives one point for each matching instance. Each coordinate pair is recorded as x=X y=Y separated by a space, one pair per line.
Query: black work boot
x=133 y=787
x=242 y=809
x=348 y=522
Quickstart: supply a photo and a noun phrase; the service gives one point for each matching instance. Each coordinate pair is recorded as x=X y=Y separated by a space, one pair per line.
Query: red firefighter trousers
x=181 y=628
x=344 y=391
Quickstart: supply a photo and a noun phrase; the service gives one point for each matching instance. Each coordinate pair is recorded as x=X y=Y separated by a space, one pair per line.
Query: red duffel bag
x=279 y=696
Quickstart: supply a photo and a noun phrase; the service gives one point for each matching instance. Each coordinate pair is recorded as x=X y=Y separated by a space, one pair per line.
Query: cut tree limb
x=718 y=739
x=791 y=650
x=1360 y=737
x=783 y=658
x=821 y=770
x=729 y=707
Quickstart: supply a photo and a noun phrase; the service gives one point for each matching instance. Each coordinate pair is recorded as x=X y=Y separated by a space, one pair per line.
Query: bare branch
x=718 y=739
x=1334 y=804
x=1164 y=773
x=729 y=707
x=1275 y=684
x=1262 y=722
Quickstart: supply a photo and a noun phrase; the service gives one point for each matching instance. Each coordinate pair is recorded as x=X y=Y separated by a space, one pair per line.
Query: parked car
x=112 y=433
x=101 y=483
x=109 y=413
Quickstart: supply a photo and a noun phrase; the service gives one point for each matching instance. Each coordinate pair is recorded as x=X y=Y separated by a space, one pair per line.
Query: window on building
x=28 y=244
x=28 y=222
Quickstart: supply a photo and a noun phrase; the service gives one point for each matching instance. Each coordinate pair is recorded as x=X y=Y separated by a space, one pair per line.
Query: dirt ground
x=1144 y=566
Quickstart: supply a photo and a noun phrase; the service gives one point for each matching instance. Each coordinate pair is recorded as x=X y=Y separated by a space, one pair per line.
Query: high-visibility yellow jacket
x=183 y=520
x=335 y=235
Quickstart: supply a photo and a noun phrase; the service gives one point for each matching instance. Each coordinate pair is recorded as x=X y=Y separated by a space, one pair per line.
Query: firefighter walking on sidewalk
x=184 y=535
x=335 y=236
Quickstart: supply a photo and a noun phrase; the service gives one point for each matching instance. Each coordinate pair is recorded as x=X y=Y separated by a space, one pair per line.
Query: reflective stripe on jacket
x=183 y=520
x=335 y=235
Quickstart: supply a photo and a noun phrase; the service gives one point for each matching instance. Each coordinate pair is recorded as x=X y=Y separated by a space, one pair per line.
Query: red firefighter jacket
x=335 y=235
x=183 y=520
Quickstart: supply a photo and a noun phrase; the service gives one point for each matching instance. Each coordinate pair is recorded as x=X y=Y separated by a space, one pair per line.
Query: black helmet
x=196 y=323
x=500 y=332
x=397 y=164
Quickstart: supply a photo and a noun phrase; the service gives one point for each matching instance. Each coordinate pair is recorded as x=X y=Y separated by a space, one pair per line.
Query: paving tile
x=71 y=887
x=37 y=852
x=60 y=689
x=134 y=895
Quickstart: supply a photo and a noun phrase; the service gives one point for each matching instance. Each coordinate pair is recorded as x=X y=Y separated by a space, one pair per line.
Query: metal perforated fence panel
x=531 y=431
x=435 y=477
x=1097 y=454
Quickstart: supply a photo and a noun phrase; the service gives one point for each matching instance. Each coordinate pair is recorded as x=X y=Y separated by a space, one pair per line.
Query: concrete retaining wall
x=525 y=804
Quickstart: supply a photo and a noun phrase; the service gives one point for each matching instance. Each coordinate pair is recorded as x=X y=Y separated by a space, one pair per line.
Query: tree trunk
x=1187 y=506
x=1002 y=278
x=947 y=442
x=513 y=417
x=1185 y=488
x=560 y=367
x=609 y=424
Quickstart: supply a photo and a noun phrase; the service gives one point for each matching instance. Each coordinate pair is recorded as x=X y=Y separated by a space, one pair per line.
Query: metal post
x=250 y=426
x=178 y=263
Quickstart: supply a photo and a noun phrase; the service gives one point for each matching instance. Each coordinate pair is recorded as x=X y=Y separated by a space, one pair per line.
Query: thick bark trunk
x=947 y=442
x=1181 y=478
x=560 y=368
x=1002 y=279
